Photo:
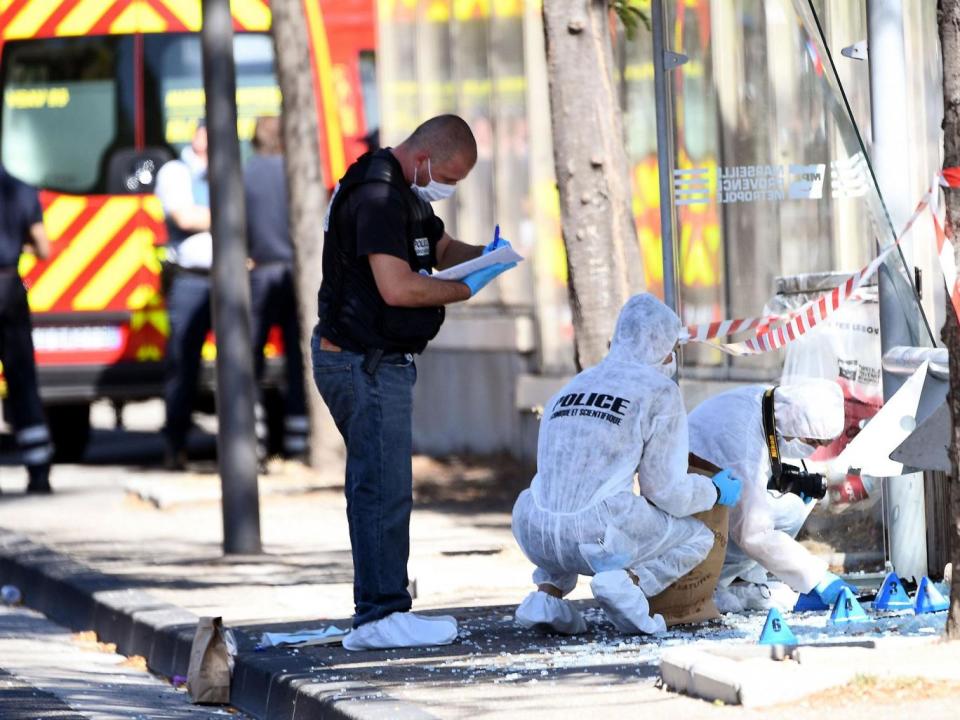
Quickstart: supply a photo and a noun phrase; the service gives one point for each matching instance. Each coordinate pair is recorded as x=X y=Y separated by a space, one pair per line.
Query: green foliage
x=631 y=14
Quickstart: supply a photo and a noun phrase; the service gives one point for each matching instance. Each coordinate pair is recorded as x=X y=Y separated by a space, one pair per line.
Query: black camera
x=799 y=482
x=787 y=478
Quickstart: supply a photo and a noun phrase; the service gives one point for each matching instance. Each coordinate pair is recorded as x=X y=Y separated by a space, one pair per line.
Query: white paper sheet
x=304 y=637
x=458 y=272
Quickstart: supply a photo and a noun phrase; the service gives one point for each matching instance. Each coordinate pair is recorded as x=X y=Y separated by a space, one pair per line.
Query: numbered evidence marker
x=847 y=610
x=776 y=631
x=929 y=599
x=892 y=596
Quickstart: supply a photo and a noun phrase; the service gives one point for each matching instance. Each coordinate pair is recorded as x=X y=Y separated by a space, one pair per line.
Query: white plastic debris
x=324 y=636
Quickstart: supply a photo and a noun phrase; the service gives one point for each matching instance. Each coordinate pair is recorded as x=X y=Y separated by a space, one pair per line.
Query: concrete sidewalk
x=134 y=555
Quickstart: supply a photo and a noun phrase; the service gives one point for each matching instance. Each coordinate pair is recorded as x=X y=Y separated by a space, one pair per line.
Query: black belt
x=200 y=272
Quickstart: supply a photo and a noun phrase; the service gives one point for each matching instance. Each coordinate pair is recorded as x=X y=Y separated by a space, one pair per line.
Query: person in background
x=728 y=430
x=184 y=192
x=21 y=227
x=621 y=419
x=273 y=299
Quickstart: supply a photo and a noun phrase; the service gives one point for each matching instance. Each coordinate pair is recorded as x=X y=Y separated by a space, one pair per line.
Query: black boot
x=39 y=479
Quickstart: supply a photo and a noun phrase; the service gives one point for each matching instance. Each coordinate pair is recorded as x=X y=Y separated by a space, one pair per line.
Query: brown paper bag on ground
x=690 y=599
x=211 y=663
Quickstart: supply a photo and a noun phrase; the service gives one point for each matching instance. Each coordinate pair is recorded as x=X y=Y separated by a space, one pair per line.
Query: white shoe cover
x=625 y=604
x=726 y=601
x=400 y=630
x=756 y=596
x=550 y=614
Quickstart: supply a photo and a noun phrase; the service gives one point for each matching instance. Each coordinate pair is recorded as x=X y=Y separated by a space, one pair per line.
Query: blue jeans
x=374 y=416
x=188 y=306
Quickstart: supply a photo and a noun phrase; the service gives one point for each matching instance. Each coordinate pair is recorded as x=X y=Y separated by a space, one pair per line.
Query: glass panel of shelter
x=773 y=191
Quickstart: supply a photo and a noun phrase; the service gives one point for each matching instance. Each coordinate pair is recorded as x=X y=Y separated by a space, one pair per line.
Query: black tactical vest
x=392 y=329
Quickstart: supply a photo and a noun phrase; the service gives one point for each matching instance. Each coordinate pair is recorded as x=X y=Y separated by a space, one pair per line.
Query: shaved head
x=445 y=137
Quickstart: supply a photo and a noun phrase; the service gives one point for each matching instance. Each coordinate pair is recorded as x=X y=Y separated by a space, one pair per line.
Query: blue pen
x=496 y=238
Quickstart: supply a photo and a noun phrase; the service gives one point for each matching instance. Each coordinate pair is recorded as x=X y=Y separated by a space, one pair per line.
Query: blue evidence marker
x=892 y=596
x=929 y=599
x=847 y=610
x=776 y=631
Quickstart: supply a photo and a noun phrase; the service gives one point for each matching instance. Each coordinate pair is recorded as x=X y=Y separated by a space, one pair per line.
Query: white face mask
x=433 y=190
x=796 y=448
x=669 y=369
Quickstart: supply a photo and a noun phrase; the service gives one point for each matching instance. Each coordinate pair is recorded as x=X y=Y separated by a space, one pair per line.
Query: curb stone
x=81 y=598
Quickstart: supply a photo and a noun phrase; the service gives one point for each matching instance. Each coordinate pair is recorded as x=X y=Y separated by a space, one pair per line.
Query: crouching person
x=733 y=430
x=581 y=516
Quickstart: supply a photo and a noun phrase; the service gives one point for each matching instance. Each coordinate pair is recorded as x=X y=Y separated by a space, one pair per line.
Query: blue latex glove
x=478 y=280
x=497 y=242
x=829 y=589
x=496 y=245
x=729 y=488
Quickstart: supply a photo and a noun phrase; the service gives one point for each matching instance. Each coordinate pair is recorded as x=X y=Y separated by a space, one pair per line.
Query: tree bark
x=308 y=200
x=948 y=12
x=603 y=255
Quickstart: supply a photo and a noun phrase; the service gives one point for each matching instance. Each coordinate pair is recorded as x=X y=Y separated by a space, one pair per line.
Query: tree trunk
x=308 y=199
x=603 y=255
x=948 y=12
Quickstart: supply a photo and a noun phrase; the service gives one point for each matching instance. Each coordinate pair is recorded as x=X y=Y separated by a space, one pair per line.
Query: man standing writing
x=21 y=223
x=378 y=306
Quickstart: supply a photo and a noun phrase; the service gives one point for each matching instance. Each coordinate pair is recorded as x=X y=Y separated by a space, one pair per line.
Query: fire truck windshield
x=73 y=105
x=67 y=103
x=174 y=81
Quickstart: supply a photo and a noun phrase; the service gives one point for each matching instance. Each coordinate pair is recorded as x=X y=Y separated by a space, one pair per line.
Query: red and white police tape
x=798 y=323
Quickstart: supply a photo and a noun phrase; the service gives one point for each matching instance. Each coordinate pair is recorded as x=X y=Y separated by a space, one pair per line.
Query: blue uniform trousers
x=188 y=306
x=20 y=373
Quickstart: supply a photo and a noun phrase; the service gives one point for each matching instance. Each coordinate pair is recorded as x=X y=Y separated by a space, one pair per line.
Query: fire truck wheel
x=69 y=430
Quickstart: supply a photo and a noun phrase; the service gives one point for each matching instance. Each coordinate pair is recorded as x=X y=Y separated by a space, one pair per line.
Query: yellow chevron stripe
x=30 y=18
x=141 y=297
x=252 y=14
x=114 y=214
x=27 y=262
x=187 y=11
x=79 y=20
x=149 y=20
x=153 y=206
x=134 y=18
x=61 y=213
x=116 y=272
x=331 y=118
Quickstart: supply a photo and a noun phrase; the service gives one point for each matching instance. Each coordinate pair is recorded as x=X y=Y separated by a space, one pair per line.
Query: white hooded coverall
x=727 y=430
x=620 y=418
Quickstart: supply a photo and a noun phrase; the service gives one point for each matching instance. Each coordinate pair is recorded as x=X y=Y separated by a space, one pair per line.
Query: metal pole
x=665 y=155
x=906 y=520
x=236 y=442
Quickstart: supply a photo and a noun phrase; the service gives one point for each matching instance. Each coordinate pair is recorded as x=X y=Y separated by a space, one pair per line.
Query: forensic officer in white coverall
x=621 y=419
x=728 y=430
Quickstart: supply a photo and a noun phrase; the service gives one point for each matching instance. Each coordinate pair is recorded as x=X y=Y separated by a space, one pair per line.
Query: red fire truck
x=97 y=94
